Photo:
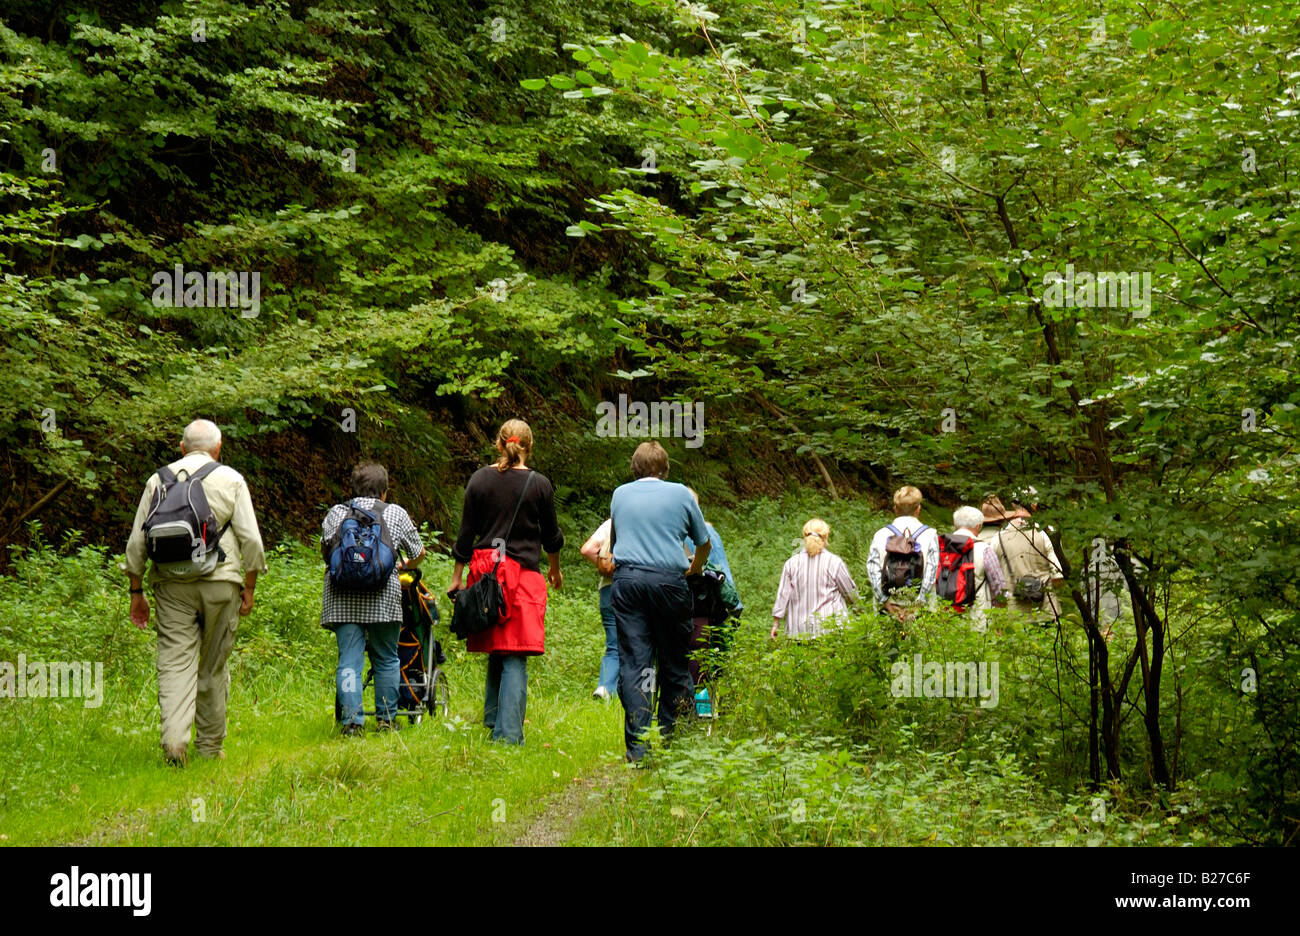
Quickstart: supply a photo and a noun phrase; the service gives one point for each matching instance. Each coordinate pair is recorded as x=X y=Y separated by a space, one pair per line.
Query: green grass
x=290 y=779
x=96 y=775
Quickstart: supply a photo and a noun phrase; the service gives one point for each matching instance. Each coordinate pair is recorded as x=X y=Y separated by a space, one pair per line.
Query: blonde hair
x=513 y=452
x=907 y=500
x=815 y=534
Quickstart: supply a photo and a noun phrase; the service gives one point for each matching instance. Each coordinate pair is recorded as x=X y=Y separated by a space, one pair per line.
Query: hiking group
x=667 y=597
x=993 y=557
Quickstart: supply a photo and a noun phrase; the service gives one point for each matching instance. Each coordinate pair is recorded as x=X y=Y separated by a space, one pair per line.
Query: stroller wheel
x=439 y=696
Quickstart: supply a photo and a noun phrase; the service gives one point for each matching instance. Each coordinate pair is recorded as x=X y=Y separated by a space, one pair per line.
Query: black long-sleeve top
x=490 y=498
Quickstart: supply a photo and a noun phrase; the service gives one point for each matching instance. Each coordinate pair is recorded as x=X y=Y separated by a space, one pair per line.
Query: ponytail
x=514 y=442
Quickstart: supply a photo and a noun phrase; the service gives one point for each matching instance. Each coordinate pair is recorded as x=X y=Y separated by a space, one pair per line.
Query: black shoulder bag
x=480 y=607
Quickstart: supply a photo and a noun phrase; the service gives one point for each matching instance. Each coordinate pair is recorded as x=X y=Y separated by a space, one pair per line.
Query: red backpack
x=955 y=581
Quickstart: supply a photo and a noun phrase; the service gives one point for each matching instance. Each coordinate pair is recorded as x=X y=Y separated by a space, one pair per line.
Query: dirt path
x=561 y=814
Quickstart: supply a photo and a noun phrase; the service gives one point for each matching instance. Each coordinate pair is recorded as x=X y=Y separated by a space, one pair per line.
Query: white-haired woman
x=816 y=587
x=987 y=581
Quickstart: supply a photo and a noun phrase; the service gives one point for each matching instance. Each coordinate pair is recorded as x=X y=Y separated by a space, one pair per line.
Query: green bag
x=730 y=597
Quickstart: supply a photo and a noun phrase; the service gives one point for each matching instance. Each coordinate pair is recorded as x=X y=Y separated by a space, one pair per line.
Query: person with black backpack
x=903 y=558
x=195 y=524
x=362 y=543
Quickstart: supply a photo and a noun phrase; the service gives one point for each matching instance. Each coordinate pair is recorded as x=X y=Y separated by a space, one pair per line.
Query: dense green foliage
x=836 y=225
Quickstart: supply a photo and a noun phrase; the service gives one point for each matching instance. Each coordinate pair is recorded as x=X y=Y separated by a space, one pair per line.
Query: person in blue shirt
x=649 y=518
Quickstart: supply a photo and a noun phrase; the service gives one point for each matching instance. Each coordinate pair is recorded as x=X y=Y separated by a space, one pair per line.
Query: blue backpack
x=362 y=557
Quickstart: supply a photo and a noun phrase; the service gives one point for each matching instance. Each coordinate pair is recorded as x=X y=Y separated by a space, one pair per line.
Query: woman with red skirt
x=488 y=536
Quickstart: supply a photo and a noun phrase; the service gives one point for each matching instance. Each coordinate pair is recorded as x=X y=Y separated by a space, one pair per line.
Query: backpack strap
x=199 y=476
x=166 y=478
x=515 y=515
x=893 y=529
x=204 y=471
x=221 y=553
x=374 y=518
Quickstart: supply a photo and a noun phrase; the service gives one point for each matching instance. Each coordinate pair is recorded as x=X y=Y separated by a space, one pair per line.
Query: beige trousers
x=196 y=631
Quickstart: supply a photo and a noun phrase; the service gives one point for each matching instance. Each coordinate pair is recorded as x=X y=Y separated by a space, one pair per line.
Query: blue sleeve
x=718 y=554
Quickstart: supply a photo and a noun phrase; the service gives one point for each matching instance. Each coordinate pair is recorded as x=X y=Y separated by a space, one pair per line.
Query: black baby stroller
x=421 y=685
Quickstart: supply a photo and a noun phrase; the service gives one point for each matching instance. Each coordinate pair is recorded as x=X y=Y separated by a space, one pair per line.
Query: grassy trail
x=290 y=780
x=95 y=775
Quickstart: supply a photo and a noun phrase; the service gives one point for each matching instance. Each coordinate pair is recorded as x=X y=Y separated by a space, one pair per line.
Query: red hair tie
x=514 y=439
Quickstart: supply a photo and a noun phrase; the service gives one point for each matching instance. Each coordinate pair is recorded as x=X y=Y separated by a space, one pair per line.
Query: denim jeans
x=383 y=660
x=609 y=662
x=505 y=697
x=652 y=608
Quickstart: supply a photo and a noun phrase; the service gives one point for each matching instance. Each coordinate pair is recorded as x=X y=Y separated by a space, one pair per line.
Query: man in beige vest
x=199 y=603
x=1027 y=555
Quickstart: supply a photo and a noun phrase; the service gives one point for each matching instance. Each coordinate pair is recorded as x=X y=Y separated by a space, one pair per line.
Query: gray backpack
x=904 y=565
x=180 y=533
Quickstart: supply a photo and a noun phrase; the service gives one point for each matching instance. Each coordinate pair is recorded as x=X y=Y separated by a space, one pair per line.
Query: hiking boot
x=211 y=755
x=177 y=754
x=385 y=724
x=601 y=693
x=353 y=731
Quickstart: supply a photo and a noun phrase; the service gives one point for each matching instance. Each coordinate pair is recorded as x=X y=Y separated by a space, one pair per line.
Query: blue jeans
x=609 y=662
x=505 y=697
x=653 y=611
x=383 y=660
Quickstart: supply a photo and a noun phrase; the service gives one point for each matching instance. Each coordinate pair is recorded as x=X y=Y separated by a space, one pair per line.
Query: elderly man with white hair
x=988 y=582
x=196 y=524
